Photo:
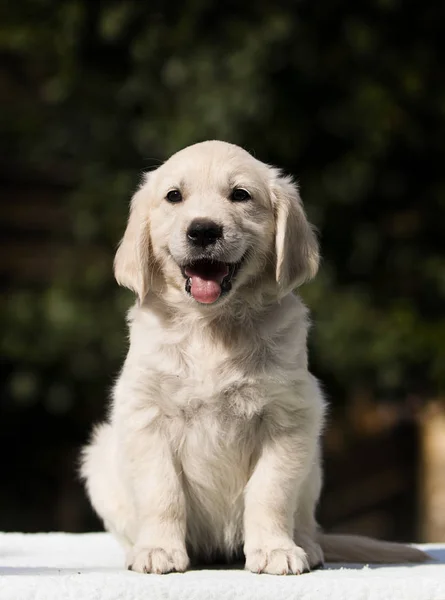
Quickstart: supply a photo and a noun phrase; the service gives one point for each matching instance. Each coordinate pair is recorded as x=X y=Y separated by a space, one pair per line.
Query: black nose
x=202 y=232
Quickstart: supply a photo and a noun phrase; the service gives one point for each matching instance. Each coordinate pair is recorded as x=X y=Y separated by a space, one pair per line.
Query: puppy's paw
x=288 y=559
x=157 y=560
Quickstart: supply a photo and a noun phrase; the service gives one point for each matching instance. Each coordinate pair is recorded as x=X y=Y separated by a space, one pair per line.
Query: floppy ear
x=132 y=260
x=296 y=246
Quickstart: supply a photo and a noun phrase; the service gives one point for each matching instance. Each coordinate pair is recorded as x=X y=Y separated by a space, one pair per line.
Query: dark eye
x=174 y=196
x=240 y=195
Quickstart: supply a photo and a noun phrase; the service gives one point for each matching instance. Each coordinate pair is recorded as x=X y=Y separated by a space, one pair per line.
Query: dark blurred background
x=348 y=96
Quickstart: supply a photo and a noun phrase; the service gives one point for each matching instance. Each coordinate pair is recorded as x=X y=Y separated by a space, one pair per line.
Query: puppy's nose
x=203 y=232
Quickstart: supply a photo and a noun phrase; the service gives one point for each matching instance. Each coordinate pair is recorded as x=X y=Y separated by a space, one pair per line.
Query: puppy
x=212 y=446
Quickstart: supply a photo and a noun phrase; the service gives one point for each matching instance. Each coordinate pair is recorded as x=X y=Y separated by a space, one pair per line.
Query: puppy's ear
x=132 y=260
x=296 y=246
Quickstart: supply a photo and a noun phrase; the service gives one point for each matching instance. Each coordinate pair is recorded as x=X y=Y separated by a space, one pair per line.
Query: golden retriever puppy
x=212 y=446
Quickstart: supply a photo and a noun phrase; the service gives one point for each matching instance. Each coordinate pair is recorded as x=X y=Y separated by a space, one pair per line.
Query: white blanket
x=61 y=566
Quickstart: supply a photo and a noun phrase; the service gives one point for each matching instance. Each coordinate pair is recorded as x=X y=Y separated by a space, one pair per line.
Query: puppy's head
x=211 y=222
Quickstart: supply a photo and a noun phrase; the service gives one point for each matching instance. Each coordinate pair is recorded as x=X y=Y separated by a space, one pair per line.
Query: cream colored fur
x=212 y=445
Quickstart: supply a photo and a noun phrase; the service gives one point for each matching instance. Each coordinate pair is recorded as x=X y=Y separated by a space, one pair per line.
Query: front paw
x=157 y=560
x=277 y=559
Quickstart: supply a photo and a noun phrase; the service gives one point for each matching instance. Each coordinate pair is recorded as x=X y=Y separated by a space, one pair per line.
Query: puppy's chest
x=204 y=377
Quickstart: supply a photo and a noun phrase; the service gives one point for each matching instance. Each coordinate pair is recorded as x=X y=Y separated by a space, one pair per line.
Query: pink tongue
x=205 y=291
x=206 y=282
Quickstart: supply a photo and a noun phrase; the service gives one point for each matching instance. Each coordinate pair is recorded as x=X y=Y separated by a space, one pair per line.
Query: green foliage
x=349 y=97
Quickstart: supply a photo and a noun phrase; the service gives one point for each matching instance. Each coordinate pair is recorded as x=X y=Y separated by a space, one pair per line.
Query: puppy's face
x=209 y=222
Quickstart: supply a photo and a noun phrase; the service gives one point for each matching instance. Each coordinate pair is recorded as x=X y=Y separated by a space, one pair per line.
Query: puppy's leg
x=272 y=494
x=159 y=545
x=108 y=494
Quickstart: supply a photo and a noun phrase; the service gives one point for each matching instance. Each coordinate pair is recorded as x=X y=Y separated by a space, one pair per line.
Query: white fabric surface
x=61 y=566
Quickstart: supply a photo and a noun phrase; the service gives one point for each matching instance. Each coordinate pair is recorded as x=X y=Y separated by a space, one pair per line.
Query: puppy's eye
x=174 y=196
x=240 y=195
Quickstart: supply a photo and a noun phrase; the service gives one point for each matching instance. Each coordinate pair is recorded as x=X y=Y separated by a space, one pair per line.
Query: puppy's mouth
x=207 y=280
